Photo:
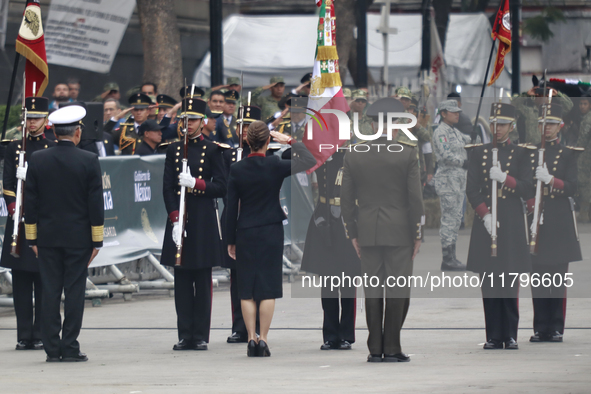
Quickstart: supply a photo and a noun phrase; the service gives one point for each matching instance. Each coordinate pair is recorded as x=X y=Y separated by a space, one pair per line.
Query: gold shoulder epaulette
x=576 y=148
x=470 y=146
x=5 y=142
x=409 y=143
x=223 y=146
x=165 y=144
x=528 y=146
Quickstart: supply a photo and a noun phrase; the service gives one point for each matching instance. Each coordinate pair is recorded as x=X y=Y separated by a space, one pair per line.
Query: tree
x=346 y=43
x=162 y=45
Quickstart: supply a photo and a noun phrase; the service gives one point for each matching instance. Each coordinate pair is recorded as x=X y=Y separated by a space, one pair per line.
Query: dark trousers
x=192 y=298
x=339 y=320
x=238 y=325
x=63 y=269
x=501 y=309
x=384 y=322
x=28 y=319
x=549 y=302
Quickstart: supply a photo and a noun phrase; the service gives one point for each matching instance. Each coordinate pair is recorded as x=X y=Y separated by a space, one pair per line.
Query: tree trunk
x=346 y=43
x=442 y=9
x=162 y=45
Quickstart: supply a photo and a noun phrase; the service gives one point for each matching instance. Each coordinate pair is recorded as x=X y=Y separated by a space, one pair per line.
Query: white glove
x=497 y=175
x=21 y=172
x=186 y=179
x=543 y=175
x=487 y=219
x=176 y=233
x=531 y=228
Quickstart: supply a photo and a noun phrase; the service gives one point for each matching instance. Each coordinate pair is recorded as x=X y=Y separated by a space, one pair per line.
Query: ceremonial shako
x=191 y=91
x=553 y=115
x=504 y=113
x=252 y=114
x=383 y=106
x=140 y=101
x=231 y=96
x=165 y=101
x=193 y=108
x=37 y=107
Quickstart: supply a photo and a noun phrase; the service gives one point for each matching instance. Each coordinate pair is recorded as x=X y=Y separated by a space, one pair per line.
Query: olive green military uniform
x=268 y=104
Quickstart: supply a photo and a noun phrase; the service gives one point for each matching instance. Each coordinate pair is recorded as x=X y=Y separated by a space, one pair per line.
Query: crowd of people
x=366 y=221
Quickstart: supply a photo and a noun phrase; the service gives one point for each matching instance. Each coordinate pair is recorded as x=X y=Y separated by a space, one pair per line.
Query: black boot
x=449 y=262
x=458 y=263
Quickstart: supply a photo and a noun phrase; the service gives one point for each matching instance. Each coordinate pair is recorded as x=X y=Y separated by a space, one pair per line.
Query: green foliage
x=13 y=117
x=538 y=27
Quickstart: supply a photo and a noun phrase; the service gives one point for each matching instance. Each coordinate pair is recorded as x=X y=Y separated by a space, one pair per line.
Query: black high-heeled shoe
x=263 y=350
x=252 y=349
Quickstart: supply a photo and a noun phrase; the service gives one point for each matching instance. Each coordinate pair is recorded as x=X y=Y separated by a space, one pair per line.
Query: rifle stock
x=182 y=203
x=15 y=246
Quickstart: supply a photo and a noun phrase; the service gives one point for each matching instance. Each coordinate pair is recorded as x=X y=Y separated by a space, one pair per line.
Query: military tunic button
x=554 y=169
x=178 y=169
x=233 y=159
x=484 y=171
x=178 y=193
x=556 y=162
x=176 y=160
x=45 y=146
x=508 y=164
x=484 y=157
x=202 y=160
x=203 y=154
x=200 y=169
x=483 y=163
x=178 y=154
x=486 y=150
x=510 y=157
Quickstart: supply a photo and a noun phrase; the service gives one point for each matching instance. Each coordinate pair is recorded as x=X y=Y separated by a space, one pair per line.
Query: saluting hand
x=281 y=138
x=123 y=113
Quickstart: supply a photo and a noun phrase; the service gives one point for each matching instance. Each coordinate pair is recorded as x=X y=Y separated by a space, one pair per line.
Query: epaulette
x=6 y=142
x=223 y=146
x=165 y=144
x=528 y=146
x=470 y=146
x=358 y=143
x=274 y=146
x=409 y=143
x=576 y=148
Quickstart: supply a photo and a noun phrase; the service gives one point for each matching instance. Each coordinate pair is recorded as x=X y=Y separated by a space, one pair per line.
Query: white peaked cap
x=70 y=115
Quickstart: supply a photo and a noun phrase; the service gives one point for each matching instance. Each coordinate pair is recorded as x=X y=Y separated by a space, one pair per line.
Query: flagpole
x=492 y=50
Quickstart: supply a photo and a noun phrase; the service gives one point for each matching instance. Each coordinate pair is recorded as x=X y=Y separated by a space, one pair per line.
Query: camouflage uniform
x=424 y=136
x=267 y=104
x=450 y=179
x=364 y=122
x=527 y=107
x=584 y=174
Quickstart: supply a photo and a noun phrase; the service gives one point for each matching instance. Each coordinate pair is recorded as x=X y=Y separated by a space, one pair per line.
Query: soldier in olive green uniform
x=269 y=104
x=405 y=96
x=424 y=143
x=584 y=174
x=358 y=105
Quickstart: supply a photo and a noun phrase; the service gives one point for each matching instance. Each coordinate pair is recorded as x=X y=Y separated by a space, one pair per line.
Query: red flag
x=502 y=31
x=30 y=43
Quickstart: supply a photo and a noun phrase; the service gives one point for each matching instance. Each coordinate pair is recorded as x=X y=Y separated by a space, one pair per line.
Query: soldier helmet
x=37 y=107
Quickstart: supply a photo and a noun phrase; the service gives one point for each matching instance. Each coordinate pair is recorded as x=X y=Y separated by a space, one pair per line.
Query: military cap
x=193 y=108
x=191 y=91
x=140 y=101
x=403 y=92
x=347 y=93
x=70 y=115
x=231 y=96
x=149 y=125
x=553 y=114
x=505 y=113
x=383 y=106
x=110 y=86
x=165 y=101
x=252 y=113
x=449 y=106
x=233 y=81
x=37 y=107
x=296 y=100
x=277 y=79
x=359 y=94
x=306 y=78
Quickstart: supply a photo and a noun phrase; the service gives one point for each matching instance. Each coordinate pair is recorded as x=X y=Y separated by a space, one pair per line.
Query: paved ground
x=129 y=345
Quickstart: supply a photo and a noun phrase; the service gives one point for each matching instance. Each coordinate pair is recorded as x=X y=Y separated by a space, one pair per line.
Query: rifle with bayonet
x=185 y=163
x=494 y=194
x=241 y=120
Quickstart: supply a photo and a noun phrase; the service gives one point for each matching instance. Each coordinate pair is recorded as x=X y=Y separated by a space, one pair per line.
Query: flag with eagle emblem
x=30 y=43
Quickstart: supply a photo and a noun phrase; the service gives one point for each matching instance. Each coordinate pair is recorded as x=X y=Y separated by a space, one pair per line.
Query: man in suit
x=382 y=209
x=25 y=267
x=64 y=226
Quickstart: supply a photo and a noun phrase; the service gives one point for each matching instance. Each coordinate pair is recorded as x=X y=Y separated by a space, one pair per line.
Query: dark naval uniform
x=127 y=135
x=329 y=252
x=558 y=240
x=202 y=245
x=25 y=268
x=65 y=218
x=500 y=303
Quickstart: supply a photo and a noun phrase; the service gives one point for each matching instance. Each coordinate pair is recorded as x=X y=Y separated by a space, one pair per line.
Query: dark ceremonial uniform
x=202 y=244
x=144 y=149
x=329 y=252
x=108 y=144
x=558 y=240
x=386 y=219
x=25 y=268
x=165 y=103
x=64 y=206
x=226 y=129
x=127 y=135
x=500 y=302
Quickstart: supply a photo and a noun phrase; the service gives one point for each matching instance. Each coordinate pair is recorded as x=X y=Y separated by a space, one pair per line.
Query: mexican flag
x=502 y=31
x=325 y=90
x=30 y=43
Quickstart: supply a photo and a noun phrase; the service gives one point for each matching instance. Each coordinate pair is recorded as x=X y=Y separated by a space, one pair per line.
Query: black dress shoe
x=200 y=345
x=396 y=358
x=252 y=348
x=344 y=345
x=36 y=345
x=493 y=344
x=539 y=337
x=183 y=344
x=511 y=344
x=263 y=349
x=555 y=337
x=23 y=345
x=329 y=345
x=374 y=358
x=73 y=359
x=51 y=359
x=237 y=338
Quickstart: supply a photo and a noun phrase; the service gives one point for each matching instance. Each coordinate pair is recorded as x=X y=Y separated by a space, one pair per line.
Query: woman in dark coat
x=254 y=227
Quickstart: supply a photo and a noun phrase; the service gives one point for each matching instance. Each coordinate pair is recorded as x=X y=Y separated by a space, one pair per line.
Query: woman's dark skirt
x=259 y=262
